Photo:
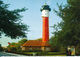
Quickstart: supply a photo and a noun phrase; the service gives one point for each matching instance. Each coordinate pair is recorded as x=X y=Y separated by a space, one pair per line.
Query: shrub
x=1 y=49
x=6 y=50
x=62 y=49
x=56 y=49
x=78 y=49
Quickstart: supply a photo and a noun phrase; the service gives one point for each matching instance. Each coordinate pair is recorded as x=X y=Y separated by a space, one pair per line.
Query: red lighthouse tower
x=45 y=15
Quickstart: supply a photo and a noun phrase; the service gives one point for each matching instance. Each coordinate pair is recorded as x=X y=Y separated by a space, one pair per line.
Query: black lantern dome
x=45 y=7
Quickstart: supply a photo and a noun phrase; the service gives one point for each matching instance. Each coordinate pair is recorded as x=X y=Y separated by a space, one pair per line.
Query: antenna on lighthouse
x=45 y=1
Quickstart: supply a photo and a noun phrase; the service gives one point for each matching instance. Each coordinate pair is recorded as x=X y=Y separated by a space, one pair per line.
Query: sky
x=32 y=17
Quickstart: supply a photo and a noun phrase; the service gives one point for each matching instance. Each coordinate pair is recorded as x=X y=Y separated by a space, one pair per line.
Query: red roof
x=36 y=43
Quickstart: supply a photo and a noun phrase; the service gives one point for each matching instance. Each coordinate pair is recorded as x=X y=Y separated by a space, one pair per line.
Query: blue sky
x=32 y=17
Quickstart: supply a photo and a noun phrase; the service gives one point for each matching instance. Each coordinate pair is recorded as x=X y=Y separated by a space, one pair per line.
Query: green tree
x=54 y=43
x=40 y=39
x=13 y=47
x=22 y=41
x=10 y=22
x=78 y=49
x=16 y=46
x=1 y=49
x=69 y=29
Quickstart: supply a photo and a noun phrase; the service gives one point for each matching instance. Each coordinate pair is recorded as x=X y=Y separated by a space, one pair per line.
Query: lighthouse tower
x=45 y=29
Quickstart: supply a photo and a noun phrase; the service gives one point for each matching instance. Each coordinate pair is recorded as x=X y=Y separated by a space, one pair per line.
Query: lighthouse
x=45 y=24
x=44 y=44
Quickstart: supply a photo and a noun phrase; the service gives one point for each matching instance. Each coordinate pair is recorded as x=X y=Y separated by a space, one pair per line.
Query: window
x=23 y=48
x=47 y=49
x=30 y=48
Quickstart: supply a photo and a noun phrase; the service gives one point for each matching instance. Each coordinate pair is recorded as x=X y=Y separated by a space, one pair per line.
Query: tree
x=78 y=49
x=39 y=39
x=54 y=43
x=1 y=49
x=13 y=47
x=22 y=41
x=16 y=46
x=10 y=22
x=69 y=29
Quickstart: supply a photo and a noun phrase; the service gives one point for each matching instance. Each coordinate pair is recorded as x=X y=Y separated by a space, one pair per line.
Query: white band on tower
x=45 y=13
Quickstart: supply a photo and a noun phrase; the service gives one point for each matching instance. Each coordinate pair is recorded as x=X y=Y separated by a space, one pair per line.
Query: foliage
x=78 y=49
x=22 y=41
x=68 y=30
x=55 y=44
x=16 y=46
x=62 y=49
x=39 y=39
x=13 y=49
x=1 y=49
x=10 y=22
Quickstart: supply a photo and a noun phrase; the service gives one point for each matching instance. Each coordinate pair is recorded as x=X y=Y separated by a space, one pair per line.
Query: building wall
x=23 y=48
x=46 y=48
x=37 y=48
x=30 y=48
x=42 y=48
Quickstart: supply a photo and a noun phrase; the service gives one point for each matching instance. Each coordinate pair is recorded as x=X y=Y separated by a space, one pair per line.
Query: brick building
x=35 y=44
